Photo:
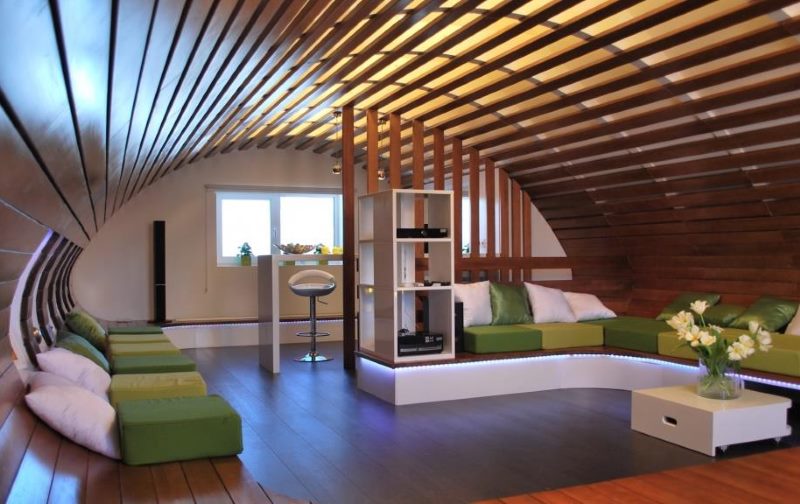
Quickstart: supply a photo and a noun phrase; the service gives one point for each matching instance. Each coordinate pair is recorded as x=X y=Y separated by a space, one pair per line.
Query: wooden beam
x=489 y=175
x=372 y=151
x=438 y=159
x=474 y=202
x=349 y=241
x=394 y=151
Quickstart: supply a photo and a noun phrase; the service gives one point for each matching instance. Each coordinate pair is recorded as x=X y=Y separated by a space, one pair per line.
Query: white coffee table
x=680 y=416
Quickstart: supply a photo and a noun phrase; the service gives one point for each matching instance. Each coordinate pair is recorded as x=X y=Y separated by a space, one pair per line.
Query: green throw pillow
x=772 y=313
x=80 y=346
x=509 y=304
x=722 y=314
x=83 y=324
x=683 y=301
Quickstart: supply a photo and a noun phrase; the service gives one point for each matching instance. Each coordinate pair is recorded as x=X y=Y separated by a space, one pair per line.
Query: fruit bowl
x=295 y=248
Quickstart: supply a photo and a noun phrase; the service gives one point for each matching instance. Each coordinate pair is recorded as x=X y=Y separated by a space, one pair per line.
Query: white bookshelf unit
x=389 y=279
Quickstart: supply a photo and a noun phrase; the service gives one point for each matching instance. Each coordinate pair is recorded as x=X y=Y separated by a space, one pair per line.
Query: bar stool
x=312 y=284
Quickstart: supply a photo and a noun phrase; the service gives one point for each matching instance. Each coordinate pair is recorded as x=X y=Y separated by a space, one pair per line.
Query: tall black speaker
x=159 y=273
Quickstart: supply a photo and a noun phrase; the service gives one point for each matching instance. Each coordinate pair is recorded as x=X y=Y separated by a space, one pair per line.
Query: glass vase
x=719 y=382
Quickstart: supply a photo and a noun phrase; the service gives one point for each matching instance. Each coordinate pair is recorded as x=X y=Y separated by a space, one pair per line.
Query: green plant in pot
x=245 y=254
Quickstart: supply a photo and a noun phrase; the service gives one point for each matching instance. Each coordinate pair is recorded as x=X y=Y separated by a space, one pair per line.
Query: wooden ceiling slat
x=277 y=65
x=286 y=89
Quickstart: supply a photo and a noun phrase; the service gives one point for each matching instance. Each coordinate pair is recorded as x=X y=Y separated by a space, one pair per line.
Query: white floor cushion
x=548 y=305
x=75 y=367
x=477 y=303
x=588 y=306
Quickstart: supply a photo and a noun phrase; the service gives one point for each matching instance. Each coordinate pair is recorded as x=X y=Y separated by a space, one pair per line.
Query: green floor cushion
x=162 y=348
x=164 y=430
x=148 y=329
x=505 y=338
x=566 y=335
x=632 y=333
x=155 y=386
x=80 y=346
x=138 y=338
x=84 y=325
x=136 y=364
x=783 y=358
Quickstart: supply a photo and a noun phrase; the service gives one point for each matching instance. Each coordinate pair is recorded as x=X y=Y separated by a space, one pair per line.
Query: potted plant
x=245 y=254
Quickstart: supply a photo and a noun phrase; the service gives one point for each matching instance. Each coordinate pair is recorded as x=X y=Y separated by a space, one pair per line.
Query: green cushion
x=509 y=338
x=722 y=314
x=783 y=358
x=632 y=333
x=138 y=338
x=155 y=385
x=509 y=304
x=566 y=335
x=771 y=313
x=80 y=346
x=164 y=430
x=683 y=301
x=134 y=364
x=135 y=330
x=83 y=324
x=120 y=349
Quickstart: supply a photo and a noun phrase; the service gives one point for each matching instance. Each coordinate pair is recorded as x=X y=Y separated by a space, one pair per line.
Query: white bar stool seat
x=312 y=284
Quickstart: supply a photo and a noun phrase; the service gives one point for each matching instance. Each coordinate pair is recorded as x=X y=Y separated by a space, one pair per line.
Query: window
x=265 y=219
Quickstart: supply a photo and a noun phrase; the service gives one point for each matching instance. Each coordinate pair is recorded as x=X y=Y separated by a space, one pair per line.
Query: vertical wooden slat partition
x=349 y=240
x=438 y=159
x=395 y=144
x=372 y=151
x=490 y=207
x=457 y=174
x=474 y=202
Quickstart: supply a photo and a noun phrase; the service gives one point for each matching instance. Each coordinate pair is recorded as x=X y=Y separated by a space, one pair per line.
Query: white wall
x=112 y=278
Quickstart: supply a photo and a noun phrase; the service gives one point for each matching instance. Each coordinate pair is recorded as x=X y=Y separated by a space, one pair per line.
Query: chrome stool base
x=316 y=357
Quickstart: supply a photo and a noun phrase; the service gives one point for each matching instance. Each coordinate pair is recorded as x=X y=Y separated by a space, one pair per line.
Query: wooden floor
x=766 y=477
x=309 y=433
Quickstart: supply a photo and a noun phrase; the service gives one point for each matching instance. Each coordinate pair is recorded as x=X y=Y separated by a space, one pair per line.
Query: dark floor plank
x=204 y=482
x=35 y=475
x=240 y=485
x=170 y=483
x=136 y=484
x=102 y=480
x=15 y=434
x=69 y=478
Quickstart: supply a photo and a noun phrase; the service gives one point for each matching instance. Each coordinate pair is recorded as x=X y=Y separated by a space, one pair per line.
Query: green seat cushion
x=163 y=430
x=682 y=302
x=119 y=349
x=632 y=333
x=507 y=338
x=80 y=346
x=84 y=325
x=773 y=314
x=566 y=335
x=148 y=329
x=509 y=304
x=722 y=314
x=783 y=358
x=155 y=386
x=138 y=338
x=133 y=364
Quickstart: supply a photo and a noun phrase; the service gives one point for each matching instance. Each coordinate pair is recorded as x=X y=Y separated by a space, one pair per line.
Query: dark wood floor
x=310 y=434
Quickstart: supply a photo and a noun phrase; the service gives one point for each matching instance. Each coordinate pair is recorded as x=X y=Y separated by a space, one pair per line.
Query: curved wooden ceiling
x=594 y=106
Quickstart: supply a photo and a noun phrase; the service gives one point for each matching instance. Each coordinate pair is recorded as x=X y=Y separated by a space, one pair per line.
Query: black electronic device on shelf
x=425 y=232
x=419 y=343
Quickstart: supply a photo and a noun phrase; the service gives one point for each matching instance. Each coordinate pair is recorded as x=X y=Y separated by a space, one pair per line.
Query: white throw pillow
x=78 y=415
x=41 y=379
x=588 y=306
x=477 y=304
x=548 y=305
x=794 y=326
x=75 y=367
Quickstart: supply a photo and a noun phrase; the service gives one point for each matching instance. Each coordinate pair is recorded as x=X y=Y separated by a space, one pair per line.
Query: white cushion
x=477 y=304
x=41 y=379
x=794 y=326
x=588 y=306
x=549 y=305
x=78 y=415
x=75 y=367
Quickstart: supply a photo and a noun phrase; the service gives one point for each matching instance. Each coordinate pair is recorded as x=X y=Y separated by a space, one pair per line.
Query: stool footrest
x=310 y=334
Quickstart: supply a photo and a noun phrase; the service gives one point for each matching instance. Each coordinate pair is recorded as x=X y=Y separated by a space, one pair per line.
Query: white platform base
x=680 y=416
x=464 y=380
